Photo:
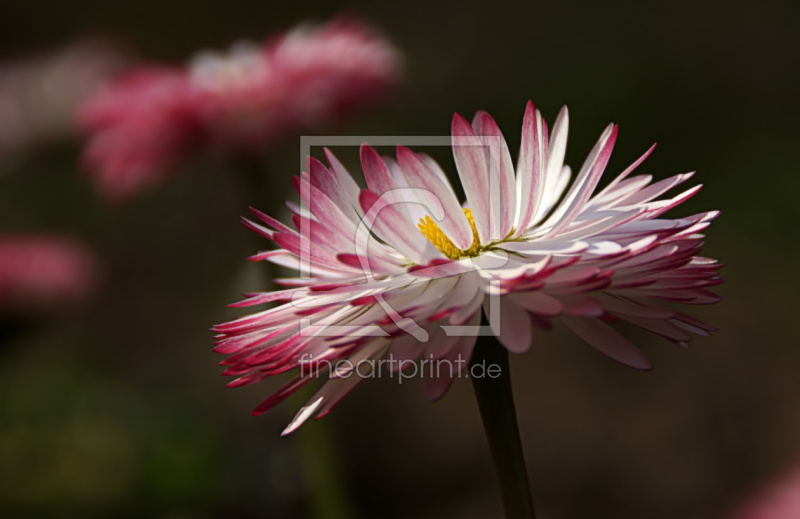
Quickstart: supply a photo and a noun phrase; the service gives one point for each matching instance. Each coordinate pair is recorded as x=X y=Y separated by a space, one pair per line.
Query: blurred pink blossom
x=242 y=101
x=781 y=500
x=39 y=96
x=141 y=126
x=41 y=272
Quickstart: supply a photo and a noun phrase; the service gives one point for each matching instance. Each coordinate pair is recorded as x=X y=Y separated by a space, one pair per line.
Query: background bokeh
x=116 y=407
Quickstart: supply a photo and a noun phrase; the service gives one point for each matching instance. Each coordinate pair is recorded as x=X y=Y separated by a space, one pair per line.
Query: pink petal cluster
x=780 y=501
x=39 y=95
x=242 y=101
x=383 y=283
x=43 y=272
x=141 y=126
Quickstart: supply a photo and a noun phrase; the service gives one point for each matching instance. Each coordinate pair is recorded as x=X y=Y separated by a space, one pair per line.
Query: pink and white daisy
x=43 y=272
x=394 y=268
x=243 y=101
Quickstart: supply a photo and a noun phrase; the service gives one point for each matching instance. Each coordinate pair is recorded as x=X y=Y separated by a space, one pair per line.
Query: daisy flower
x=399 y=269
x=142 y=126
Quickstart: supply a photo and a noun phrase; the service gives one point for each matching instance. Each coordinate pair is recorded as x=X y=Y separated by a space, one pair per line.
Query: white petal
x=553 y=184
x=585 y=183
x=470 y=157
x=455 y=224
x=547 y=246
x=538 y=302
x=501 y=176
x=530 y=168
x=511 y=325
x=608 y=341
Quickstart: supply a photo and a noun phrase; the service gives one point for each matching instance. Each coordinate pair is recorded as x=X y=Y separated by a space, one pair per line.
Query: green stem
x=496 y=404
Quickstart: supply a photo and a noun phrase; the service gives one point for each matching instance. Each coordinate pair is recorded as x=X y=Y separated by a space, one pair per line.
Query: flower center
x=435 y=235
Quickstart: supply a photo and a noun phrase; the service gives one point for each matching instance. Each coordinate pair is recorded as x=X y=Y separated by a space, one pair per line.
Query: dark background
x=118 y=408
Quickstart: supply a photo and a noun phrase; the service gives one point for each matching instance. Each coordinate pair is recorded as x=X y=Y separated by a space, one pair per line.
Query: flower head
x=399 y=269
x=242 y=101
x=43 y=272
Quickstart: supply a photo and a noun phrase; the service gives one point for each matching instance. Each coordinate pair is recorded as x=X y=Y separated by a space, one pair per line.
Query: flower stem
x=496 y=404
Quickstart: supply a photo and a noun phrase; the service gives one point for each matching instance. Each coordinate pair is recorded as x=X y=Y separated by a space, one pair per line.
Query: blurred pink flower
x=779 y=501
x=39 y=96
x=392 y=266
x=43 y=272
x=242 y=101
x=141 y=127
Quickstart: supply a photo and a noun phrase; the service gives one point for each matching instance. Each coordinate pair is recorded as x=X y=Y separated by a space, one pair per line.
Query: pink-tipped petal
x=608 y=341
x=417 y=175
x=470 y=157
x=510 y=324
x=501 y=171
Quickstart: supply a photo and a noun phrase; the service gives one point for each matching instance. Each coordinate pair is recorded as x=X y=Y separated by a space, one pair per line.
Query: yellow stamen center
x=435 y=235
